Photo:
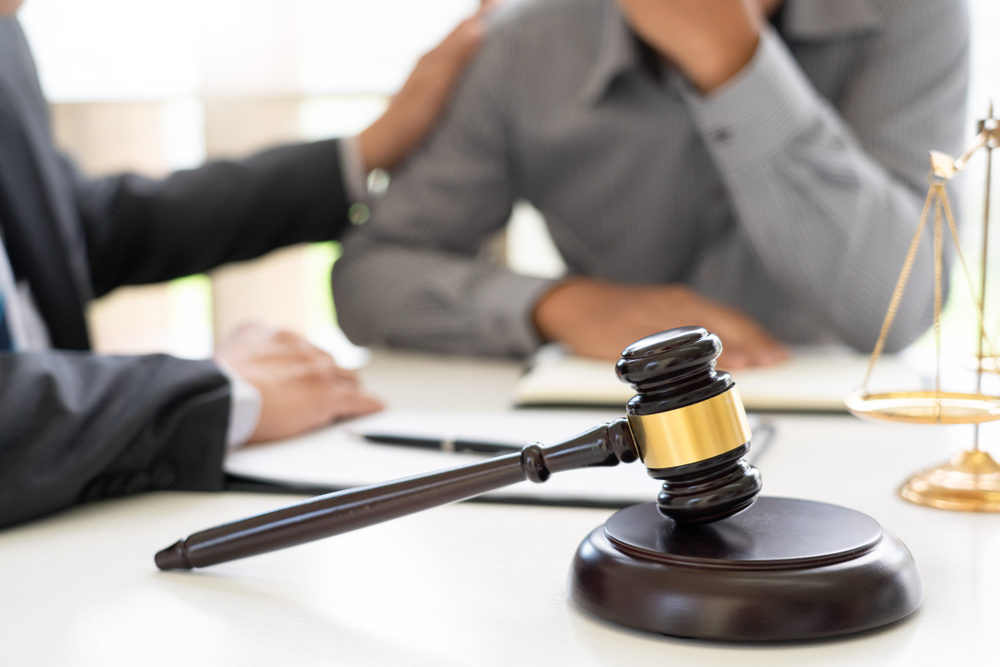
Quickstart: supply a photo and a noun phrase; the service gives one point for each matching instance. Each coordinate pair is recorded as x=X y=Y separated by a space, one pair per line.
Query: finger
x=750 y=354
x=291 y=345
x=749 y=344
x=337 y=373
x=347 y=403
x=761 y=349
x=255 y=325
x=771 y=354
x=324 y=363
x=326 y=367
x=459 y=45
x=732 y=360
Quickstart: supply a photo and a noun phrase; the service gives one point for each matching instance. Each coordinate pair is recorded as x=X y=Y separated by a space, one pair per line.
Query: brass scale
x=970 y=481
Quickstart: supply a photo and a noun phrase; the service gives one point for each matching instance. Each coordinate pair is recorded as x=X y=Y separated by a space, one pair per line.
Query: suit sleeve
x=141 y=230
x=80 y=427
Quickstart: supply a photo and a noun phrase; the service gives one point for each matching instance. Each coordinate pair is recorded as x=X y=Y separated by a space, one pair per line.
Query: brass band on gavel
x=691 y=433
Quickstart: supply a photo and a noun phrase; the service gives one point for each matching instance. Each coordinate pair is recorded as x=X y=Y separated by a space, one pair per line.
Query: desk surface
x=468 y=584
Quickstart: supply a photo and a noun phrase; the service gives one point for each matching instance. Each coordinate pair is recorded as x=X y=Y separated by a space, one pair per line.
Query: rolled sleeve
x=504 y=311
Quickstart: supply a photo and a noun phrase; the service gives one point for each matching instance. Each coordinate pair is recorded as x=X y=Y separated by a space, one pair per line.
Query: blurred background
x=154 y=86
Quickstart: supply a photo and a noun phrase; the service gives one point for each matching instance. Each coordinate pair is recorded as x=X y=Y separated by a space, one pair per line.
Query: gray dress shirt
x=792 y=192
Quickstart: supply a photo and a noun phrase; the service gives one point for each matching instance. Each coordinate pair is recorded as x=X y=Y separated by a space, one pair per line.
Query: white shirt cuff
x=353 y=170
x=244 y=407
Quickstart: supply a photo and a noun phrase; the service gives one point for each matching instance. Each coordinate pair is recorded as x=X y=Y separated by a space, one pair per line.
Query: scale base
x=784 y=569
x=969 y=482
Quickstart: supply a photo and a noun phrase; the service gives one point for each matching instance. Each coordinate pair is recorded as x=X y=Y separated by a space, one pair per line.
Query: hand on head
x=598 y=319
x=301 y=386
x=414 y=110
x=708 y=41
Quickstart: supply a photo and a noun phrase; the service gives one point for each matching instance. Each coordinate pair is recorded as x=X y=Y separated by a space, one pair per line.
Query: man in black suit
x=75 y=425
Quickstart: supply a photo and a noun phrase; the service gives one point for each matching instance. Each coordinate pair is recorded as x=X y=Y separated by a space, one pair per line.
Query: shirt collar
x=808 y=20
x=801 y=20
x=617 y=52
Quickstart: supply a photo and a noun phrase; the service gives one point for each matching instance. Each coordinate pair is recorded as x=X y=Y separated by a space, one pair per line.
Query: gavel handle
x=343 y=511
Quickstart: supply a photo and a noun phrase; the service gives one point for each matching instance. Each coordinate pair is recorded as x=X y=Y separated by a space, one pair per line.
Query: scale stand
x=970 y=481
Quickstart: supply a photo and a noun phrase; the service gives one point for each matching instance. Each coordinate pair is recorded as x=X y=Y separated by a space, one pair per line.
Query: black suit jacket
x=74 y=425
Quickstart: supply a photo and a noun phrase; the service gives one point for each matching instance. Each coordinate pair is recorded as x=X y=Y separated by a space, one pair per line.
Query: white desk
x=468 y=584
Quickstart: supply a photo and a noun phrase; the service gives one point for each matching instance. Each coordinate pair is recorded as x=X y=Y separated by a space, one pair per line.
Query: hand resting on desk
x=597 y=319
x=301 y=386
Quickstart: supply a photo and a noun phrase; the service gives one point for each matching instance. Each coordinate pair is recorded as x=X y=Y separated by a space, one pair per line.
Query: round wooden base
x=783 y=569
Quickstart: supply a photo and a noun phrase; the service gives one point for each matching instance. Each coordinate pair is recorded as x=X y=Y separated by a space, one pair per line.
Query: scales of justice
x=970 y=481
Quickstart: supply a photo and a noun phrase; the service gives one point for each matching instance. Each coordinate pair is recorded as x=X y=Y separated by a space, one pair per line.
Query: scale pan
x=925 y=407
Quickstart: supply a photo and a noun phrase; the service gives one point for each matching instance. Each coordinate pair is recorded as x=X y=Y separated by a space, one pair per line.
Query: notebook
x=811 y=380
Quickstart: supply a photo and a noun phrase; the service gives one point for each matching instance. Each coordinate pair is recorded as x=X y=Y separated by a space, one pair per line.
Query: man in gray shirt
x=754 y=166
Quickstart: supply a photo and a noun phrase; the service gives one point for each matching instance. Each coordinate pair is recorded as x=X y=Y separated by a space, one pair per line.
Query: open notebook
x=812 y=380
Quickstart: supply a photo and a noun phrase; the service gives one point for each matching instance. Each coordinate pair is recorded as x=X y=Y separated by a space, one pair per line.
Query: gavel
x=686 y=423
x=709 y=559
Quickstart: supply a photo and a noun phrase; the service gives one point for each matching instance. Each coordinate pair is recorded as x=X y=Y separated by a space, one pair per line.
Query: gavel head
x=689 y=426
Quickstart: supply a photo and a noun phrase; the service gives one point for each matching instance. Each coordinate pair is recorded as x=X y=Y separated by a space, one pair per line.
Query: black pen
x=443 y=444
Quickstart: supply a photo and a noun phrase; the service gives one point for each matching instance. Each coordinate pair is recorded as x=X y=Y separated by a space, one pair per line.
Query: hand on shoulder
x=414 y=110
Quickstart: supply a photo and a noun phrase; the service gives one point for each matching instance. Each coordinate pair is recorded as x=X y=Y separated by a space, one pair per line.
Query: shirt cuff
x=755 y=114
x=353 y=169
x=506 y=306
x=244 y=407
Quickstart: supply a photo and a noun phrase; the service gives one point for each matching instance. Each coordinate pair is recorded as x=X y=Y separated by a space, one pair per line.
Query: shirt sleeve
x=840 y=182
x=411 y=277
x=353 y=170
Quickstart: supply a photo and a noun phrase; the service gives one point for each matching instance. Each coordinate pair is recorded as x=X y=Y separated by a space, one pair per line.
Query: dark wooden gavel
x=686 y=423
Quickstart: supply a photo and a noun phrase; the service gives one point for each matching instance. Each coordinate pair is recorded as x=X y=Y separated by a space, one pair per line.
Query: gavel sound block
x=708 y=559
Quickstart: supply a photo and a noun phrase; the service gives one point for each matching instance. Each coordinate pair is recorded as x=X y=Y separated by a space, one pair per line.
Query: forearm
x=77 y=427
x=392 y=295
x=827 y=215
x=838 y=248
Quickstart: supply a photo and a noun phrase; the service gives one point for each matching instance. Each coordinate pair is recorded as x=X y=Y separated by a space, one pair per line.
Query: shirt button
x=163 y=475
x=136 y=483
x=722 y=135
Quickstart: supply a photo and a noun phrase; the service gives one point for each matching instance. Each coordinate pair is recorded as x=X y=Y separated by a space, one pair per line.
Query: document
x=812 y=380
